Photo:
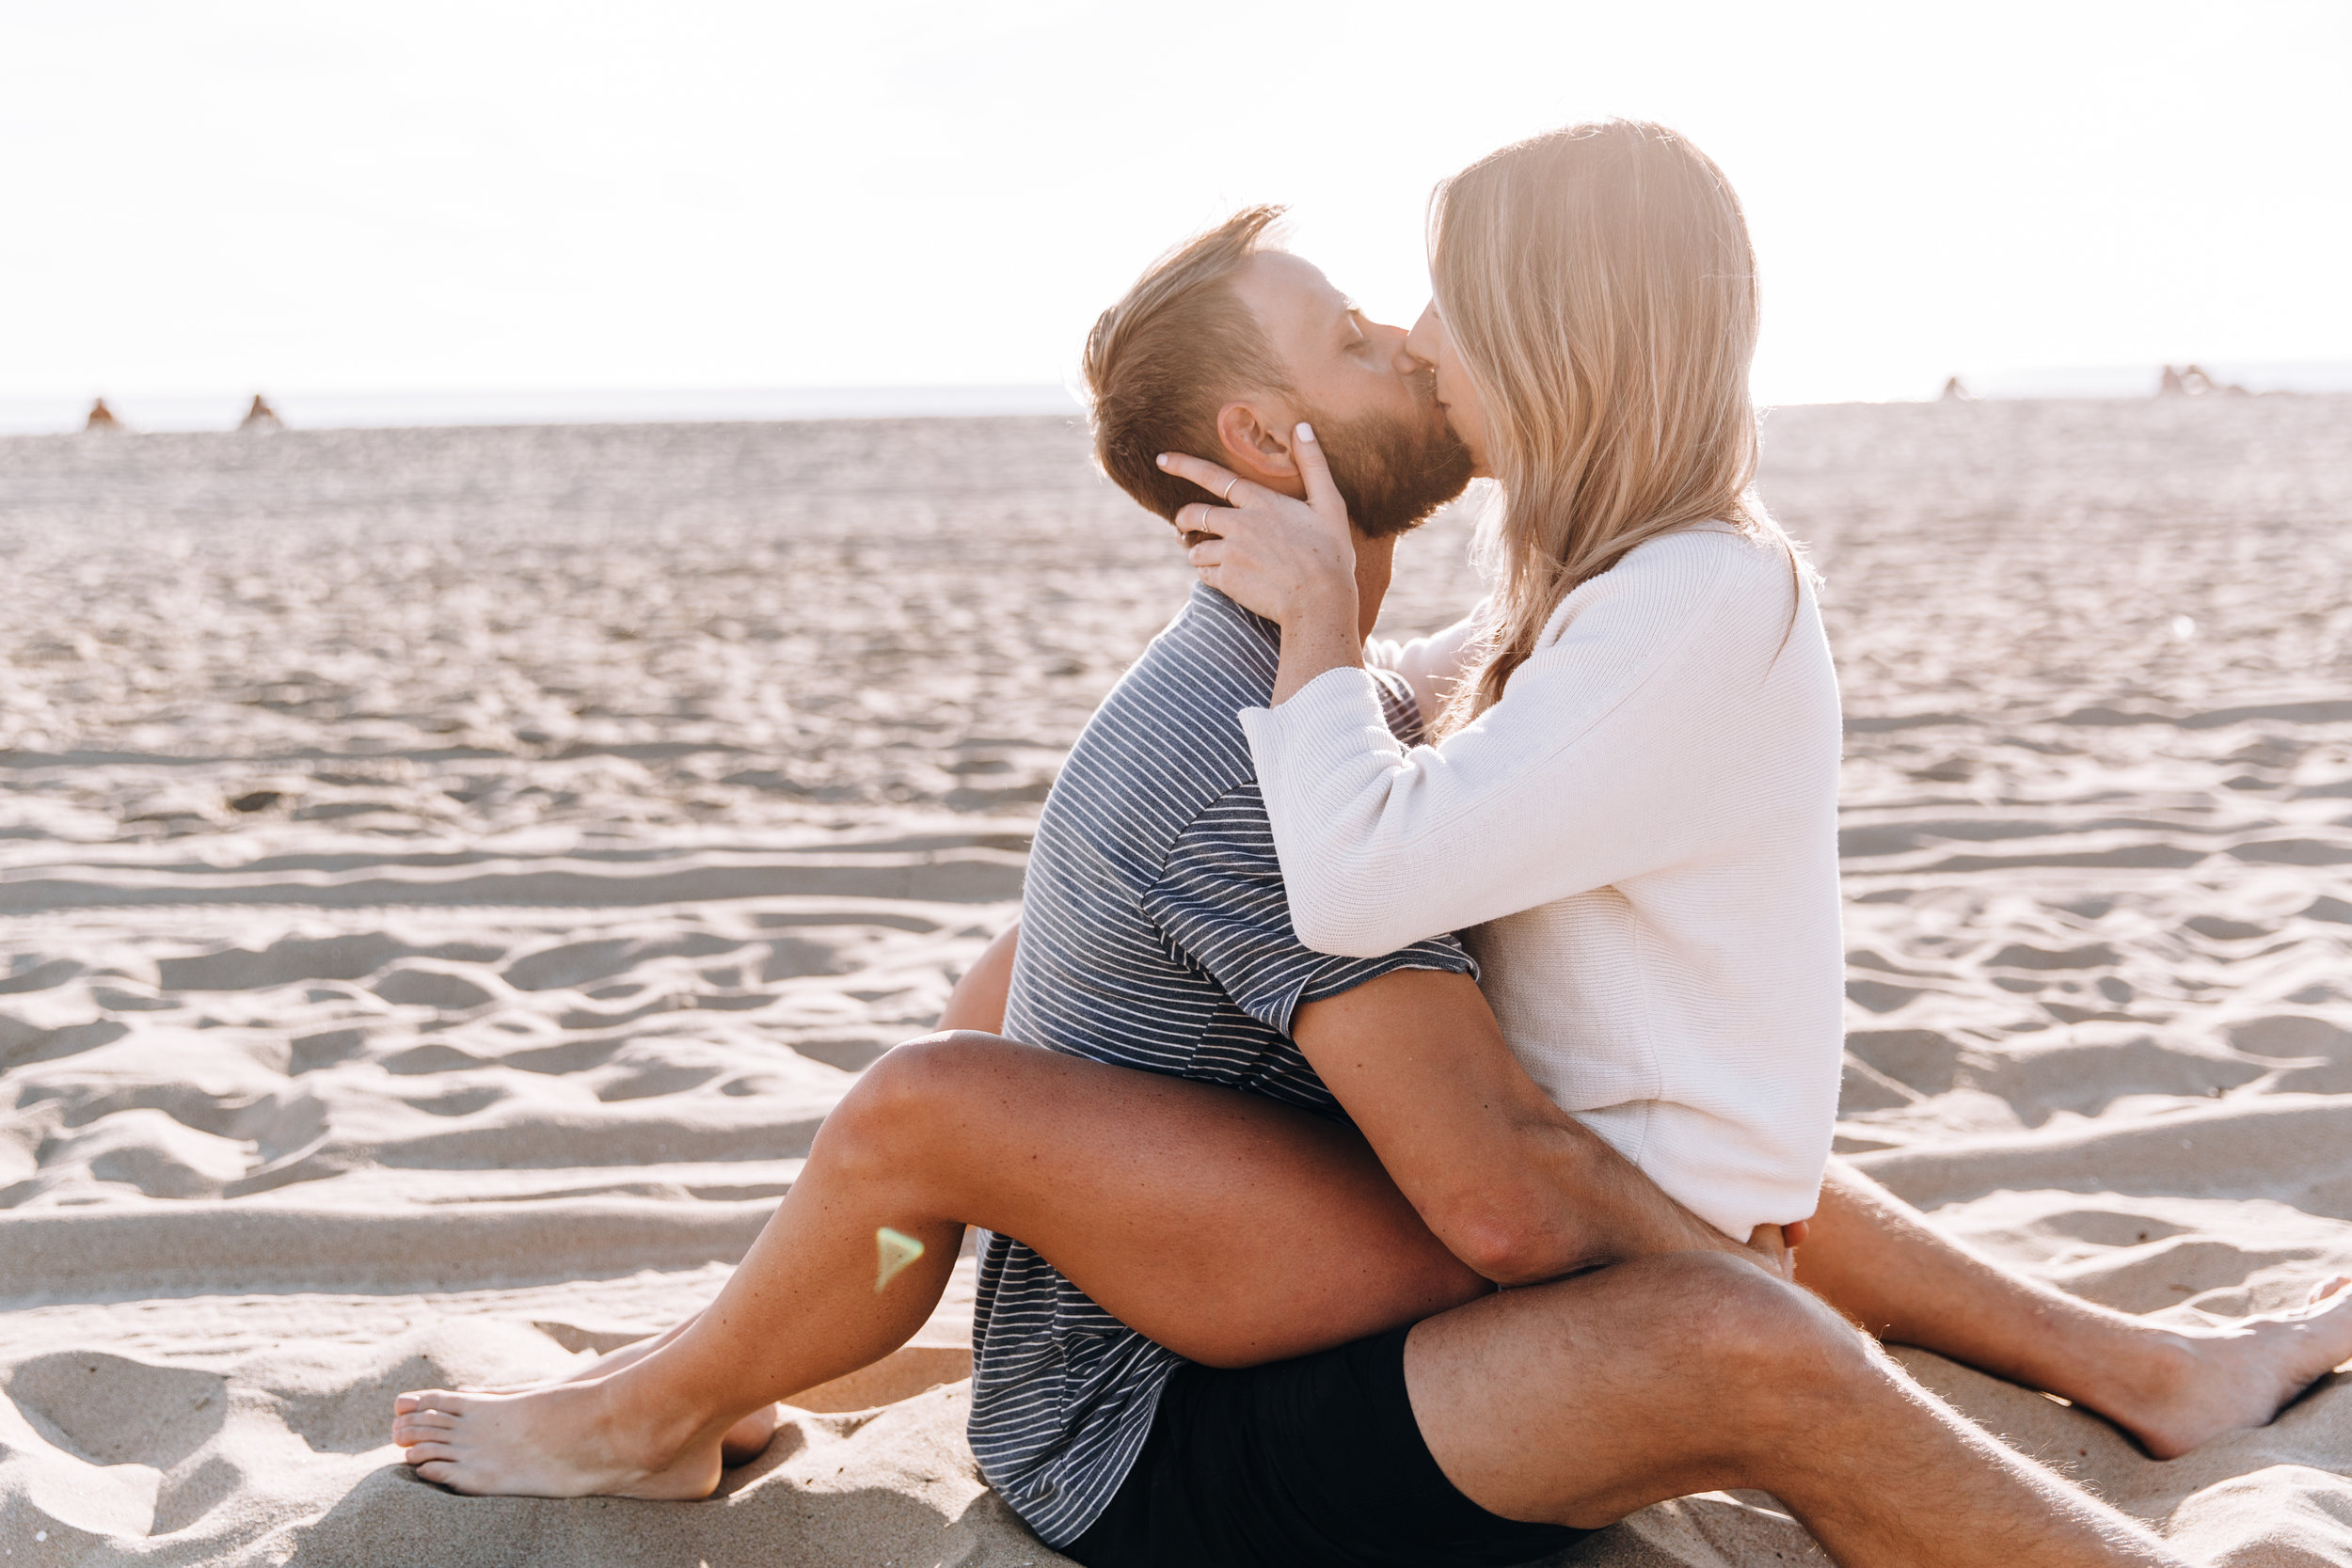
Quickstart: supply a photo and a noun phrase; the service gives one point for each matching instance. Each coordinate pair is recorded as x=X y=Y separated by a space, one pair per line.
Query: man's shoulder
x=1167 y=744
x=1213 y=640
x=1185 y=695
x=1208 y=664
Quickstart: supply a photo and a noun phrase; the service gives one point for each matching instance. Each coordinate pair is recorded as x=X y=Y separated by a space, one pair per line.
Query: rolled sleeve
x=1220 y=899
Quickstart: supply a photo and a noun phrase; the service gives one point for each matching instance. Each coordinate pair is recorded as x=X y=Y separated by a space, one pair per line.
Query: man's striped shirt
x=1154 y=934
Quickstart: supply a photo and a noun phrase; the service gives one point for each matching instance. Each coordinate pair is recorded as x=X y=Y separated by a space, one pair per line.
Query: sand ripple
x=438 y=866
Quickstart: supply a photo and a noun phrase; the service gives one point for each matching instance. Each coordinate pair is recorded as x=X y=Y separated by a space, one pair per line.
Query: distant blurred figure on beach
x=1955 y=392
x=261 y=416
x=2192 y=381
x=102 y=416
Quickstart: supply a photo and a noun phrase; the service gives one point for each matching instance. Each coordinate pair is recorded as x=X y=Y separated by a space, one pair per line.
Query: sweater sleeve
x=1430 y=665
x=1600 y=763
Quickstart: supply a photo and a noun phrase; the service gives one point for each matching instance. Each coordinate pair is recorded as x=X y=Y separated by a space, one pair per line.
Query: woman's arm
x=1626 y=746
x=1610 y=756
x=978 y=1002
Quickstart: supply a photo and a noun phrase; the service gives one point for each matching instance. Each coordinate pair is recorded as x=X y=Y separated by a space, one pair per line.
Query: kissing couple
x=1401 y=1119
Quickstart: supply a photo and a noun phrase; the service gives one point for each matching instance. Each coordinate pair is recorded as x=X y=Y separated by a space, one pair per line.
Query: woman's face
x=1456 y=397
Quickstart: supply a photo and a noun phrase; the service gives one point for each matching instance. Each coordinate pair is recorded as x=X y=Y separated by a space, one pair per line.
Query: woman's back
x=1641 y=842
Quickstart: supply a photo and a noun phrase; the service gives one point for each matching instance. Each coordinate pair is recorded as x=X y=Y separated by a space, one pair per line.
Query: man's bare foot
x=2210 y=1381
x=748 y=1439
x=570 y=1440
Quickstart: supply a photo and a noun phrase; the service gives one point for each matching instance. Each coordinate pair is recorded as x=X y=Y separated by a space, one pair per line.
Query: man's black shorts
x=1316 y=1462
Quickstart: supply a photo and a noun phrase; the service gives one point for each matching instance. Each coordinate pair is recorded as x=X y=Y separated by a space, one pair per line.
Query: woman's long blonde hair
x=1600 y=287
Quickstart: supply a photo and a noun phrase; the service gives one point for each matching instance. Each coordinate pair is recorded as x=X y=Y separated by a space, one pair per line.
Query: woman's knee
x=901 y=1106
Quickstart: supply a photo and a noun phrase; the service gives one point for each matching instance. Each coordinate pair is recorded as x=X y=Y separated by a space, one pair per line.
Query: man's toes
x=440 y=1472
x=404 y=1404
x=430 y=1452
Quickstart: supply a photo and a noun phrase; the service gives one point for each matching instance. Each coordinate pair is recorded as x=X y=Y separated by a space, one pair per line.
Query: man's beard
x=1392 y=476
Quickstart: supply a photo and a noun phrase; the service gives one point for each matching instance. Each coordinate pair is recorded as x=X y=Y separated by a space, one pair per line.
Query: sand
x=446 y=876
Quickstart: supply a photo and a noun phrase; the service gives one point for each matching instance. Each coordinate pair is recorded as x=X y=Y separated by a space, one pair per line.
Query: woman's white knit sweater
x=1640 y=845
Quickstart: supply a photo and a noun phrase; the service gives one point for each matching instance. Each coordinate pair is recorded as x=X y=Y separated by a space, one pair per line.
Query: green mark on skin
x=898 y=1250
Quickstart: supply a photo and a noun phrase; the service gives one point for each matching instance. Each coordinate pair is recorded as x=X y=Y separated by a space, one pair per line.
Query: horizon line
x=193 y=412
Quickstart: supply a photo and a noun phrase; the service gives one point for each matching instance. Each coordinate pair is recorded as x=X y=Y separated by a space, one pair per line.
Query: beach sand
x=446 y=876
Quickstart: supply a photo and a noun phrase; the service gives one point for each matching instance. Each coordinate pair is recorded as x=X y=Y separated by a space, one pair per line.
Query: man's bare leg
x=1876 y=1260
x=1234 y=1229
x=1581 y=1401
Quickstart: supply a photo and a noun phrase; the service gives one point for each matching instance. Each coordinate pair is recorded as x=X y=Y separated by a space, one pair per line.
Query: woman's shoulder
x=1706 y=571
x=1716 y=549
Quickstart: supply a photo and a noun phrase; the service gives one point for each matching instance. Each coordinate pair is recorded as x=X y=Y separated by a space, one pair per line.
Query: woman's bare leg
x=977 y=1002
x=1231 y=1228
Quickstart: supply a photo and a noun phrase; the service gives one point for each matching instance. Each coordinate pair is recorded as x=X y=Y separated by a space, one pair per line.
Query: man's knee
x=1753 y=1333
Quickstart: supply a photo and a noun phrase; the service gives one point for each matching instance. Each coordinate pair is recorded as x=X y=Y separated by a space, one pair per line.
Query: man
x=1220 y=350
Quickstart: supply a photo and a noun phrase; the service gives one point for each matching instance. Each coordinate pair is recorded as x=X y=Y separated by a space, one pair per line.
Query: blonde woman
x=1632 y=812
x=1221 y=1320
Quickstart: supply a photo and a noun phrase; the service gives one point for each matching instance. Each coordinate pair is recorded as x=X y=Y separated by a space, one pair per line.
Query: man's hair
x=1164 y=361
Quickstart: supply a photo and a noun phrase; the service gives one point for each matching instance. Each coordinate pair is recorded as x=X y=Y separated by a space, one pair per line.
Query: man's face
x=1373 y=407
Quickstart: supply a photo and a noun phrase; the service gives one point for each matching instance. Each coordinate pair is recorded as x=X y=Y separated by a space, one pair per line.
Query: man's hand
x=1668 y=1227
x=1773 y=1247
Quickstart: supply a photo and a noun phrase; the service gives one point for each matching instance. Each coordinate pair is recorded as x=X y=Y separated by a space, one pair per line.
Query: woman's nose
x=1422 y=341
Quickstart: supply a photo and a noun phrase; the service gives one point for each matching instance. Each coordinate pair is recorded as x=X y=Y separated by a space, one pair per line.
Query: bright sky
x=203 y=197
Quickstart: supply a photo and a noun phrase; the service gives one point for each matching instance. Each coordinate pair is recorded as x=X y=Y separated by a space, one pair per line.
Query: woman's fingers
x=1276 y=556
x=1208 y=561
x=1199 y=517
x=1205 y=474
x=1322 y=494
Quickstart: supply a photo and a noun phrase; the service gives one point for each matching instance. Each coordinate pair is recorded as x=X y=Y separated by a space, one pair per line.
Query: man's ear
x=1257 y=446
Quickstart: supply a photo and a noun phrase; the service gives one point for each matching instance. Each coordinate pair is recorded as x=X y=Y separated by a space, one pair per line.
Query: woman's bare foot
x=586 y=1372
x=744 y=1442
x=570 y=1440
x=2204 y=1382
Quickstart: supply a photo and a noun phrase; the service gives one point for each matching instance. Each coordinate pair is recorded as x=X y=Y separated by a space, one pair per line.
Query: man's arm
x=1431 y=665
x=1512 y=1184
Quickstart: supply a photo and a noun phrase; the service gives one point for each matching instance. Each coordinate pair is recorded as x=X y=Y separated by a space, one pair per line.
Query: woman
x=1148 y=1190
x=1633 y=819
